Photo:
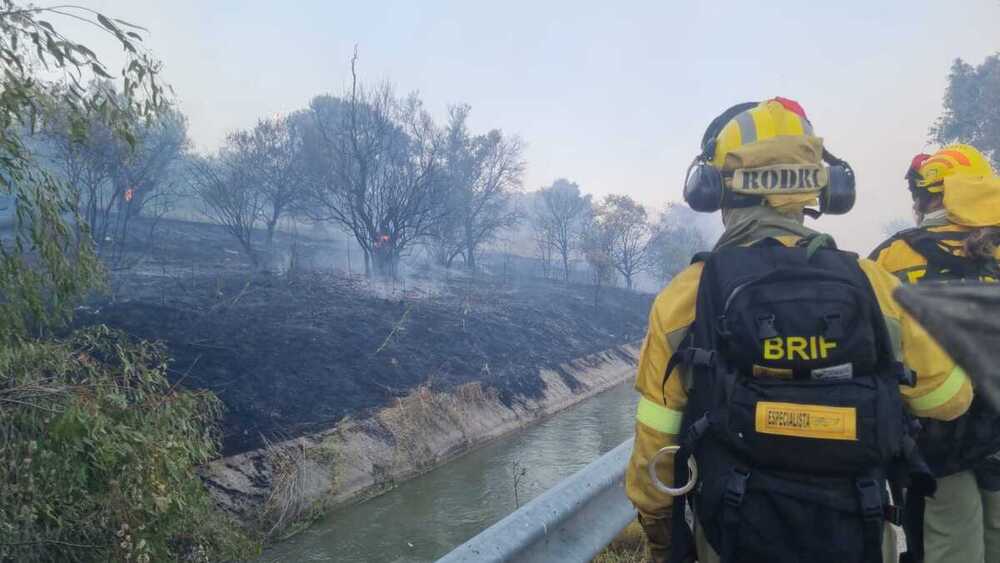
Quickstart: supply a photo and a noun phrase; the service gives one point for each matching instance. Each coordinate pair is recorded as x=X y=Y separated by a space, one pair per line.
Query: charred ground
x=296 y=351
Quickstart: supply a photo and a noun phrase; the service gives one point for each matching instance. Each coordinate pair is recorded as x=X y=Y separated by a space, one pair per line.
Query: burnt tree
x=380 y=175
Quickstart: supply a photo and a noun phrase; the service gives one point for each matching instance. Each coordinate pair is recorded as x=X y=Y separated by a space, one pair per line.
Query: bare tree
x=381 y=175
x=544 y=245
x=561 y=214
x=113 y=180
x=481 y=174
x=273 y=156
x=596 y=243
x=629 y=233
x=221 y=184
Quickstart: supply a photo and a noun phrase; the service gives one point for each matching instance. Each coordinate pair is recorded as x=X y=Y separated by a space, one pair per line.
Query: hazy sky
x=612 y=95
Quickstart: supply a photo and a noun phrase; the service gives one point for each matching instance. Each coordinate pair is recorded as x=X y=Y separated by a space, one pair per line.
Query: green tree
x=43 y=264
x=972 y=107
x=676 y=238
x=98 y=452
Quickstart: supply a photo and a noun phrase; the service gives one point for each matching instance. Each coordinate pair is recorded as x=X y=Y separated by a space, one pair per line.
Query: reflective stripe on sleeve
x=944 y=393
x=658 y=417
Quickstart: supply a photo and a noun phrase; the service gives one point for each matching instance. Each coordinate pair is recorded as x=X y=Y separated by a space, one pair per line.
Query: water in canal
x=424 y=518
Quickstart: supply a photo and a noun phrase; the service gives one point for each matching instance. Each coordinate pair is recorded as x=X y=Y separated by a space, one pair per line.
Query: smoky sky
x=614 y=95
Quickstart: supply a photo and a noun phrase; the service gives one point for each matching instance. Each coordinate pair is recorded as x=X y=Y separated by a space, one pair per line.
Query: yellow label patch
x=807 y=421
x=779 y=178
x=764 y=371
x=798 y=348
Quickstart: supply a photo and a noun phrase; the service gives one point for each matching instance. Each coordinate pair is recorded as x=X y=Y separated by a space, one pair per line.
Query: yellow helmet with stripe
x=952 y=160
x=776 y=117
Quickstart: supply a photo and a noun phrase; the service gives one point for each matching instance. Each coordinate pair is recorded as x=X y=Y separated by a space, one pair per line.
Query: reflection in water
x=425 y=517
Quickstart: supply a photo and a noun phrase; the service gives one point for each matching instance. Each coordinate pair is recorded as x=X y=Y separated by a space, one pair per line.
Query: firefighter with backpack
x=774 y=403
x=956 y=201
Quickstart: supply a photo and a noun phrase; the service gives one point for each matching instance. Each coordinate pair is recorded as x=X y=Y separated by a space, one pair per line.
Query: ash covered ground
x=296 y=350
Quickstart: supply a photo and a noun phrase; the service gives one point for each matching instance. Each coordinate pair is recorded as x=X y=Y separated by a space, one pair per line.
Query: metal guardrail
x=572 y=521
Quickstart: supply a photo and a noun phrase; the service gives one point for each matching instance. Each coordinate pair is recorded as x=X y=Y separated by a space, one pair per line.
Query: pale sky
x=614 y=96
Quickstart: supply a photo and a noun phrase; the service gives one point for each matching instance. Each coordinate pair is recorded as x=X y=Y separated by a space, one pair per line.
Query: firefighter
x=956 y=201
x=762 y=164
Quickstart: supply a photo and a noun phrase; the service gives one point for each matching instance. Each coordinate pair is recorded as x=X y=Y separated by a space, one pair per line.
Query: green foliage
x=45 y=264
x=972 y=107
x=98 y=456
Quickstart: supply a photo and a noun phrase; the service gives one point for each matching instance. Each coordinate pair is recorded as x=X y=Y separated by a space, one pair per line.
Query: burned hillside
x=297 y=351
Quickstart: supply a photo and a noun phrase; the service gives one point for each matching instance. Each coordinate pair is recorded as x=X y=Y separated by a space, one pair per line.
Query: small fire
x=129 y=194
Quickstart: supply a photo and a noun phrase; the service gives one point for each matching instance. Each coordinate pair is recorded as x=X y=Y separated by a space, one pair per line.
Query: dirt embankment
x=295 y=354
x=362 y=384
x=286 y=482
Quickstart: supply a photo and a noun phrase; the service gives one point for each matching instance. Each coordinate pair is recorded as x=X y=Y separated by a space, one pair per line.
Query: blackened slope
x=290 y=357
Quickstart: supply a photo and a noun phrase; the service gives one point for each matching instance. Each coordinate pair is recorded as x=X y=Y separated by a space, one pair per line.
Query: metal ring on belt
x=673 y=491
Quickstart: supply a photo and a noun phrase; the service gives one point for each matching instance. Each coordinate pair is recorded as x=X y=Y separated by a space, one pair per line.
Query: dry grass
x=424 y=410
x=287 y=503
x=628 y=547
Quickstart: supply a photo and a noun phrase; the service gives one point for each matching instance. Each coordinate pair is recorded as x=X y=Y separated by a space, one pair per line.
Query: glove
x=658 y=533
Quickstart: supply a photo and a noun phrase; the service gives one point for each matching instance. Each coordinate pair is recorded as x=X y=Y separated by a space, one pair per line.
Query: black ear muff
x=703 y=189
x=837 y=198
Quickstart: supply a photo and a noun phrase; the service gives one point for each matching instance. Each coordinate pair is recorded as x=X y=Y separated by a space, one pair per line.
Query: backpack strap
x=941 y=263
x=701 y=256
x=888 y=242
x=872 y=514
x=919 y=484
x=814 y=242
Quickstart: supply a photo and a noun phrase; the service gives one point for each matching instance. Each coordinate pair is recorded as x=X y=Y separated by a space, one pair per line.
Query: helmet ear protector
x=704 y=185
x=839 y=194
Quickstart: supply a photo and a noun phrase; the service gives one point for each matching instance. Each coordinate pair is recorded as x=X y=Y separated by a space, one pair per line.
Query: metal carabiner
x=673 y=491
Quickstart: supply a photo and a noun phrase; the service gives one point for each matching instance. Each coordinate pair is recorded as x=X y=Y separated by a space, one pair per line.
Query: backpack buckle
x=697 y=430
x=702 y=357
x=765 y=327
x=722 y=326
x=832 y=326
x=894 y=514
x=871 y=499
x=904 y=376
x=736 y=487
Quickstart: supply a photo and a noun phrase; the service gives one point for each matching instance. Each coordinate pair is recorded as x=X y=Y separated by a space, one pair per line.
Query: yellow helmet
x=952 y=160
x=776 y=117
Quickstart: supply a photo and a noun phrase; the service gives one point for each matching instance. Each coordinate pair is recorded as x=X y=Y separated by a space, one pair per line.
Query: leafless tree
x=481 y=173
x=629 y=234
x=560 y=215
x=544 y=245
x=273 y=157
x=221 y=184
x=114 y=180
x=381 y=177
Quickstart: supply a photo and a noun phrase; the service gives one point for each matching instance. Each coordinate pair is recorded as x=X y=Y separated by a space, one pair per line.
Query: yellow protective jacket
x=943 y=391
x=896 y=255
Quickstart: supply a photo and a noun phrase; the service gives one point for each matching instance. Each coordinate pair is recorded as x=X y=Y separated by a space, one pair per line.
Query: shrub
x=98 y=456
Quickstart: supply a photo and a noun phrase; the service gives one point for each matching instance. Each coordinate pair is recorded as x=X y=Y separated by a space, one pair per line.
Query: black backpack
x=961 y=444
x=943 y=265
x=794 y=415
